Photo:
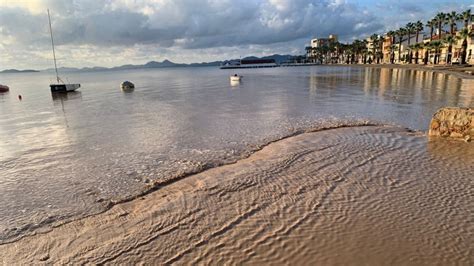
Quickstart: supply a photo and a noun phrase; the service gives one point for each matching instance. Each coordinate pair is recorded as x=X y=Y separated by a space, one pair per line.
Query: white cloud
x=182 y=30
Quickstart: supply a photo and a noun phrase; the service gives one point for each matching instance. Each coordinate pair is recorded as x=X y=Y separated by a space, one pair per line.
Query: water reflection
x=399 y=85
x=235 y=83
x=61 y=97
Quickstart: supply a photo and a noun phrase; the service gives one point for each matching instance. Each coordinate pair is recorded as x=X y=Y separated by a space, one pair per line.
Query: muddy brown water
x=68 y=157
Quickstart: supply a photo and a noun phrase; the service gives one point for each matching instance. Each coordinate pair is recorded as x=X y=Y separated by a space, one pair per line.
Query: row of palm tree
x=450 y=39
x=357 y=50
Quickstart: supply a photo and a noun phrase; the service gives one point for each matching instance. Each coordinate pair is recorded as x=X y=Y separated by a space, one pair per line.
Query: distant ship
x=60 y=86
x=250 y=63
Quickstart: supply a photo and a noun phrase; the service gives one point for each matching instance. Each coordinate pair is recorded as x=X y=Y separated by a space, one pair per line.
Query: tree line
x=351 y=53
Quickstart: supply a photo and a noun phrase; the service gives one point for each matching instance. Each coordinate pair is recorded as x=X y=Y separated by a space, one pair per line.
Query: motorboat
x=235 y=78
x=127 y=86
x=4 y=88
x=60 y=85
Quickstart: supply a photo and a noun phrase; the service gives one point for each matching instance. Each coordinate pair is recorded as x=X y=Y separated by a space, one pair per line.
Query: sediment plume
x=362 y=195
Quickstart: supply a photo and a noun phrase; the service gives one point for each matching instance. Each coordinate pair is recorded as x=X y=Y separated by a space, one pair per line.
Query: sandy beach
x=368 y=195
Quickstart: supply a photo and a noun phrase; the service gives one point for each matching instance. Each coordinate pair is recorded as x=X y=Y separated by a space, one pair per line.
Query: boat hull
x=4 y=88
x=64 y=87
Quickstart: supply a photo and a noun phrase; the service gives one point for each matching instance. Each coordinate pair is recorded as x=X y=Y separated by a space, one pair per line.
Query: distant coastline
x=9 y=71
x=152 y=64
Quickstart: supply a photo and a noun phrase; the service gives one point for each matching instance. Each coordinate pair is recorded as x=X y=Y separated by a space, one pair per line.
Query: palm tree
x=309 y=51
x=416 y=47
x=436 y=45
x=451 y=19
x=400 y=33
x=375 y=45
x=440 y=19
x=450 y=40
x=431 y=24
x=427 y=47
x=464 y=34
x=391 y=34
x=343 y=53
x=392 y=48
x=361 y=49
x=466 y=16
x=318 y=54
x=418 y=28
x=410 y=28
x=379 y=48
x=337 y=49
x=325 y=52
x=355 y=51
x=352 y=50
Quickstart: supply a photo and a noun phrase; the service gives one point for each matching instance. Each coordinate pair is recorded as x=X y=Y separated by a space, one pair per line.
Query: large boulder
x=453 y=122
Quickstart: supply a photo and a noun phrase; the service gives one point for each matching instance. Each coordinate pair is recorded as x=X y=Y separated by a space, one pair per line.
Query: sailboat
x=59 y=86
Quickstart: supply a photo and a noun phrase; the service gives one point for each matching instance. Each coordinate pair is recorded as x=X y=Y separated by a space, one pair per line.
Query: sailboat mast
x=52 y=44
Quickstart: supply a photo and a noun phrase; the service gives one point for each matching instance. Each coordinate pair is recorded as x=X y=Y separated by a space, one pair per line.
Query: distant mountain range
x=18 y=71
x=152 y=64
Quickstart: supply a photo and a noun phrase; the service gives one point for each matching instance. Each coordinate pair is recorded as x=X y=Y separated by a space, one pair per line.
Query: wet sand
x=360 y=196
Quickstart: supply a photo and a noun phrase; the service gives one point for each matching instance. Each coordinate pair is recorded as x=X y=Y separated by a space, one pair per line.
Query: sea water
x=67 y=156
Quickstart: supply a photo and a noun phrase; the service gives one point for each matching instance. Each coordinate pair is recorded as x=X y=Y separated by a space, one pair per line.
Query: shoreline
x=457 y=71
x=156 y=185
x=191 y=219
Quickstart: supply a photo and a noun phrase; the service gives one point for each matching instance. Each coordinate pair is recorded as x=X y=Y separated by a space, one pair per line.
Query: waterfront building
x=387 y=46
x=470 y=46
x=319 y=49
x=323 y=42
x=437 y=46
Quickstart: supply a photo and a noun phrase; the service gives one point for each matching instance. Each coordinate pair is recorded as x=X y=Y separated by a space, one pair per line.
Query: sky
x=116 y=32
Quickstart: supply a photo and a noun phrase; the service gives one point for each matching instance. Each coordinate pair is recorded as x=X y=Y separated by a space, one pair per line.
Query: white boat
x=4 y=88
x=60 y=86
x=235 y=78
x=127 y=86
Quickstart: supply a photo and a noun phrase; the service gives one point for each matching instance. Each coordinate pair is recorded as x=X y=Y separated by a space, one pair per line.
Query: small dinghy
x=127 y=86
x=235 y=78
x=4 y=88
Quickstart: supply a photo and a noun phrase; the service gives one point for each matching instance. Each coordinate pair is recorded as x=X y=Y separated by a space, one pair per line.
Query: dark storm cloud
x=187 y=23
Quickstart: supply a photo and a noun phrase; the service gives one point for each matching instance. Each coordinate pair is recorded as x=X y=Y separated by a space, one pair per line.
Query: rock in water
x=453 y=122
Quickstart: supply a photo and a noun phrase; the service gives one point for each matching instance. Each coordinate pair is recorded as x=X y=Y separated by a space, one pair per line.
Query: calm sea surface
x=70 y=156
